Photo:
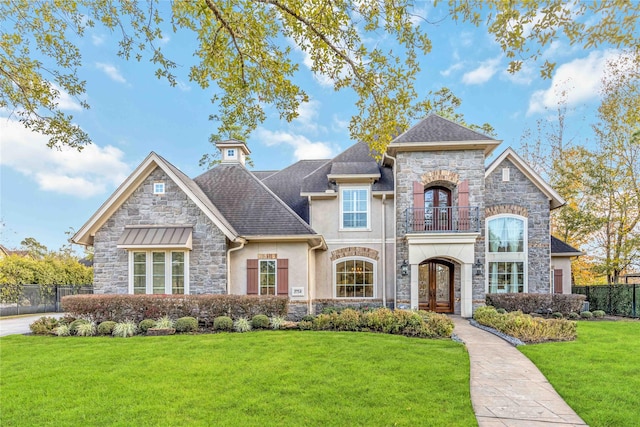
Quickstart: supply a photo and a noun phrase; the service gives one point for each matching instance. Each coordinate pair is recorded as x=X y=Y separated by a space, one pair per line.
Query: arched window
x=437 y=208
x=354 y=278
x=506 y=254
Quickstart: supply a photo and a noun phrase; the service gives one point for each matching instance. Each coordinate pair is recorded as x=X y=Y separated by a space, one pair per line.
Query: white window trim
x=341 y=219
x=522 y=257
x=161 y=189
x=167 y=270
x=357 y=258
x=231 y=153
x=260 y=261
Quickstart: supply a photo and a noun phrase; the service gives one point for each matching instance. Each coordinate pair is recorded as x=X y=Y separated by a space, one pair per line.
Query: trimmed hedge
x=537 y=303
x=206 y=308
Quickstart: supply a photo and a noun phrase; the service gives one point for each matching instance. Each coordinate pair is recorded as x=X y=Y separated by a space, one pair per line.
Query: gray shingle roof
x=248 y=204
x=438 y=129
x=560 y=247
x=356 y=159
x=261 y=175
x=287 y=182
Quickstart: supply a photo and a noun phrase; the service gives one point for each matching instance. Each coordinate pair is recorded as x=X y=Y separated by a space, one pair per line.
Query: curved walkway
x=507 y=389
x=20 y=324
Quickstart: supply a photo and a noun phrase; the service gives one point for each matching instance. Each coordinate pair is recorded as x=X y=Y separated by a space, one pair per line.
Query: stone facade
x=353 y=252
x=521 y=197
x=207 y=263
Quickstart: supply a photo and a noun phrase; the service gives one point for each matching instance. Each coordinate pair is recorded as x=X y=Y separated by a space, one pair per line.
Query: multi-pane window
x=355 y=208
x=158 y=188
x=354 y=279
x=506 y=254
x=158 y=272
x=267 y=284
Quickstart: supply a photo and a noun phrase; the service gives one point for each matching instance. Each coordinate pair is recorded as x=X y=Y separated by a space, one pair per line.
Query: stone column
x=466 y=291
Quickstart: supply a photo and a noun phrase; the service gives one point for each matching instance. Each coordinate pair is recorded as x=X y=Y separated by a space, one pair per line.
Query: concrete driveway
x=20 y=324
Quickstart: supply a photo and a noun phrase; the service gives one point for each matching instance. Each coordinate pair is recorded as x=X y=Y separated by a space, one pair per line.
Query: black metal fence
x=32 y=299
x=618 y=300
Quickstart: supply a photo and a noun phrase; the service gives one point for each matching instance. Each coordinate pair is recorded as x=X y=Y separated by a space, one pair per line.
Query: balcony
x=452 y=219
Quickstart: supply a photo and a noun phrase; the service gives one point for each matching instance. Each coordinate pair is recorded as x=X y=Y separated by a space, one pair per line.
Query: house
x=427 y=226
x=5 y=252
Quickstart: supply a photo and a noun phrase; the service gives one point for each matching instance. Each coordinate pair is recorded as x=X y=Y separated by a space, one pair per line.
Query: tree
x=245 y=52
x=36 y=249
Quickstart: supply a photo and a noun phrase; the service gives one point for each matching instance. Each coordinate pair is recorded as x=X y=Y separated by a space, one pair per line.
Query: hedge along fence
x=205 y=308
x=619 y=300
x=537 y=303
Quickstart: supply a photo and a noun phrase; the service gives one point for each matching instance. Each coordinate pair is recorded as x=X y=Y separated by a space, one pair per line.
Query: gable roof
x=248 y=204
x=442 y=134
x=560 y=248
x=286 y=185
x=355 y=160
x=85 y=234
x=555 y=199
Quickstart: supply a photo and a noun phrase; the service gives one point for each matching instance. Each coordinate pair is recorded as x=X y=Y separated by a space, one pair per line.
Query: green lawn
x=279 y=378
x=598 y=374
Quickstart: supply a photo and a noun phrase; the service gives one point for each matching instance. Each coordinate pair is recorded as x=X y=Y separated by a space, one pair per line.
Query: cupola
x=233 y=151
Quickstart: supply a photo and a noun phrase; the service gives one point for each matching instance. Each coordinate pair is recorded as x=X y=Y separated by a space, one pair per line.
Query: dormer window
x=231 y=153
x=158 y=188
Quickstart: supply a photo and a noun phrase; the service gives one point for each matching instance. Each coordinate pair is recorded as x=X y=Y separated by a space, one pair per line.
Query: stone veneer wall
x=207 y=259
x=520 y=196
x=413 y=166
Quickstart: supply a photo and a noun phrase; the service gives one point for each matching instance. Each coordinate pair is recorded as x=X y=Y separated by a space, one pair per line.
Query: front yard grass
x=271 y=378
x=598 y=374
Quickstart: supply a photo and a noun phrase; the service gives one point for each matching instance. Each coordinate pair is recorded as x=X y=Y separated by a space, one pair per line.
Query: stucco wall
x=564 y=264
x=207 y=266
x=519 y=191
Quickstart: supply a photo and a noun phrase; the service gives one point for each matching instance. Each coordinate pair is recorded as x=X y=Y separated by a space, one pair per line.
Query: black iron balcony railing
x=452 y=219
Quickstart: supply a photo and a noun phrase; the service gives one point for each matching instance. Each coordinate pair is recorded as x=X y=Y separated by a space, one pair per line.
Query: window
x=506 y=255
x=267 y=277
x=354 y=208
x=354 y=278
x=231 y=153
x=158 y=188
x=505 y=174
x=437 y=208
x=158 y=272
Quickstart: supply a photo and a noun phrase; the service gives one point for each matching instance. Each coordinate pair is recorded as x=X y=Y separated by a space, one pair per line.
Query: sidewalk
x=20 y=324
x=507 y=389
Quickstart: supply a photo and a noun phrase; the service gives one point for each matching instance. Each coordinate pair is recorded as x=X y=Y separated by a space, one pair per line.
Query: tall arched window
x=354 y=278
x=437 y=208
x=506 y=254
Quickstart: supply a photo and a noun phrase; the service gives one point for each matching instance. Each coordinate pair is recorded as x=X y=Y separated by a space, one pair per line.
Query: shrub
x=325 y=322
x=557 y=315
x=380 y=320
x=305 y=325
x=260 y=321
x=86 y=329
x=106 y=327
x=598 y=314
x=44 y=325
x=308 y=317
x=438 y=325
x=526 y=327
x=536 y=303
x=125 y=329
x=66 y=319
x=186 y=324
x=73 y=326
x=347 y=320
x=222 y=323
x=573 y=316
x=501 y=311
x=276 y=322
x=242 y=325
x=63 y=331
x=165 y=322
x=145 y=325
x=586 y=314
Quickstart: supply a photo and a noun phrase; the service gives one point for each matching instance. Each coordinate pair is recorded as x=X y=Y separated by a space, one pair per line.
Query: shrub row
x=537 y=303
x=205 y=308
x=402 y=322
x=525 y=327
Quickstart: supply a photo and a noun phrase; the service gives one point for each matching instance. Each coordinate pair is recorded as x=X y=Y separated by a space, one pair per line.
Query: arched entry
x=435 y=286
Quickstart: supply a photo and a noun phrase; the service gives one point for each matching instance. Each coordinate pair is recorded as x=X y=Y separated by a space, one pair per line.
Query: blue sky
x=44 y=192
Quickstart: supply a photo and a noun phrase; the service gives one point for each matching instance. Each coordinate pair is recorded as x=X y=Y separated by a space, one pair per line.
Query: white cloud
x=91 y=172
x=97 y=39
x=303 y=148
x=575 y=82
x=111 y=71
x=483 y=73
x=455 y=67
x=525 y=76
x=183 y=86
x=339 y=125
x=66 y=101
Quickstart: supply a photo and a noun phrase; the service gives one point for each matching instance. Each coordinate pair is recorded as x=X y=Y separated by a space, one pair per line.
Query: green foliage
x=573 y=316
x=165 y=322
x=86 y=329
x=106 y=327
x=557 y=315
x=73 y=326
x=305 y=325
x=125 y=329
x=186 y=324
x=526 y=327
x=598 y=314
x=145 y=324
x=259 y=321
x=501 y=311
x=63 y=330
x=308 y=317
x=223 y=323
x=242 y=325
x=44 y=325
x=276 y=322
x=586 y=315
x=347 y=320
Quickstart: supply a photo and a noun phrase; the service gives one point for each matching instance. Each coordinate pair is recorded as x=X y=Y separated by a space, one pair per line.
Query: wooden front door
x=435 y=286
x=437 y=208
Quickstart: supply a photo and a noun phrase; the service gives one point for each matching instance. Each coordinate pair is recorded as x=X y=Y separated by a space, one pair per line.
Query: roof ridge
x=293 y=164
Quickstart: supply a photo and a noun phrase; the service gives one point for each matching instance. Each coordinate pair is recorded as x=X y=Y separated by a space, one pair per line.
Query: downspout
x=309 y=277
x=237 y=248
x=395 y=229
x=384 y=253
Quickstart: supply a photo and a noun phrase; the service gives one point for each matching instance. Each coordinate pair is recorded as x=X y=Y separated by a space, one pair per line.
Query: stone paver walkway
x=507 y=389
